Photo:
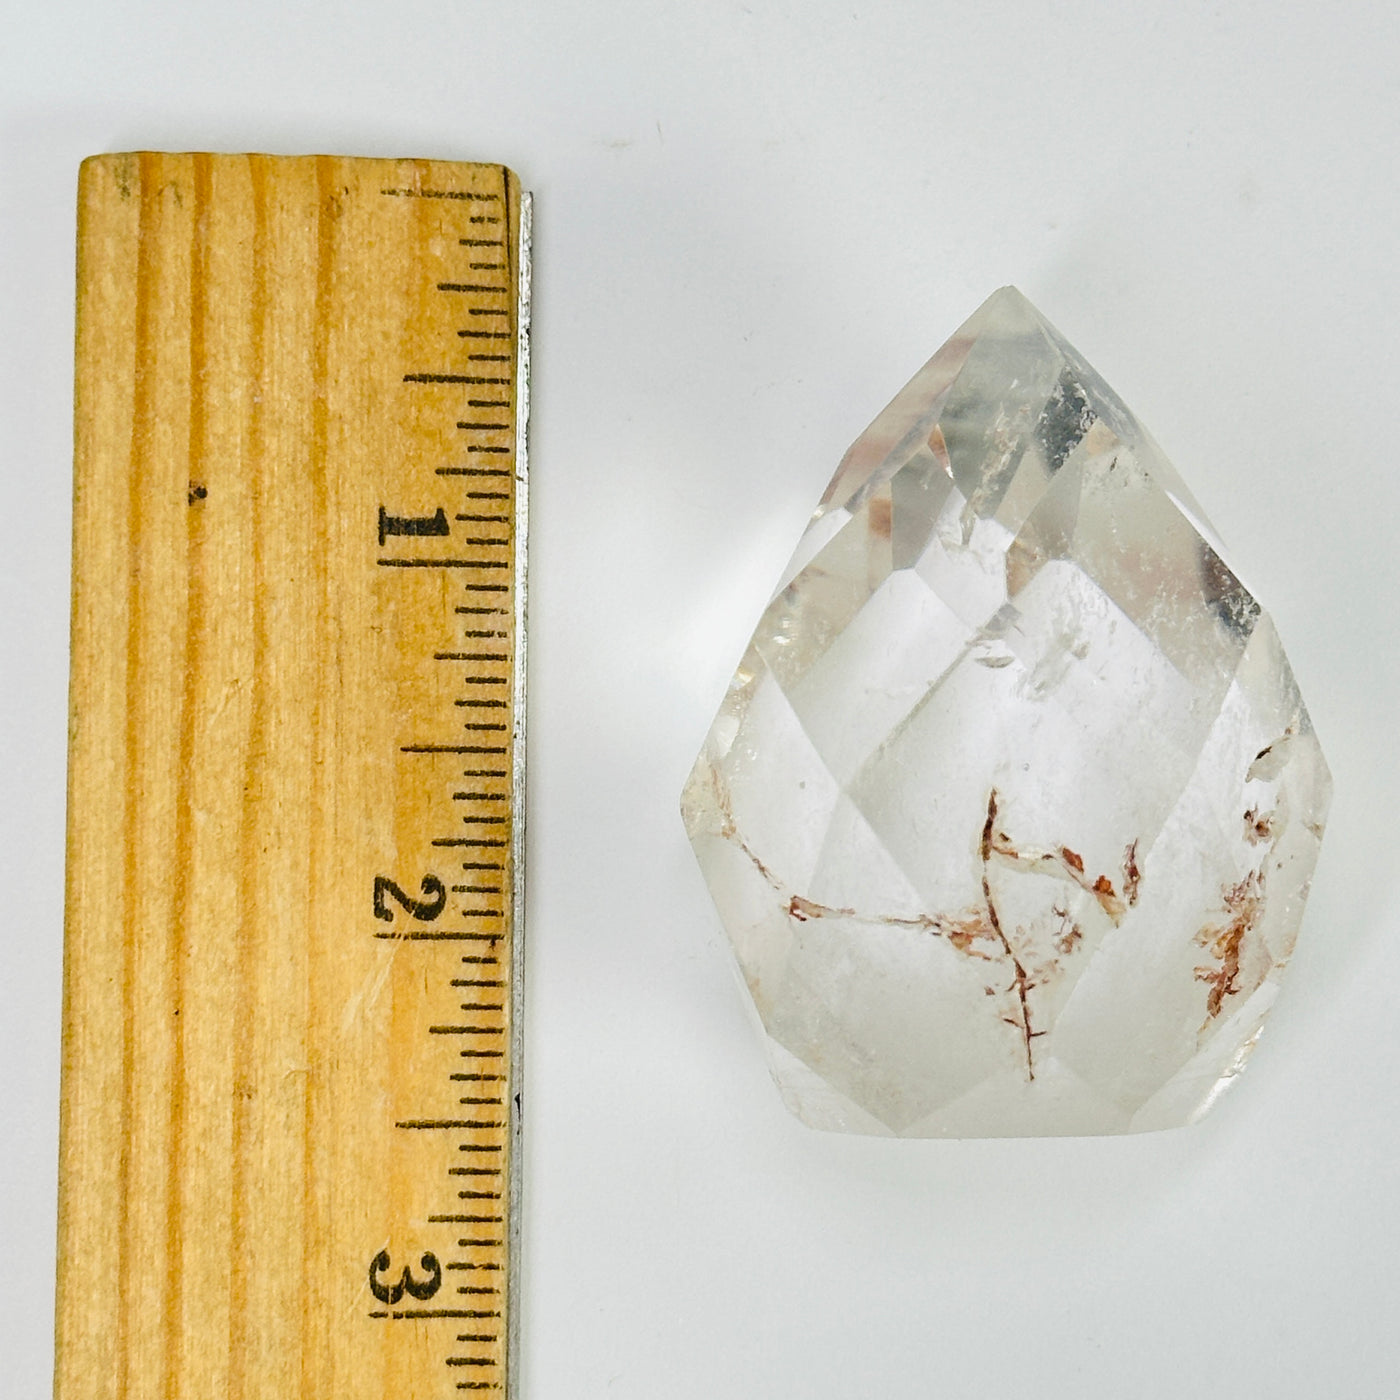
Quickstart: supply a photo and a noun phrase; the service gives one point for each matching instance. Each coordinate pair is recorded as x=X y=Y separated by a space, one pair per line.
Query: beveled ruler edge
x=516 y=1086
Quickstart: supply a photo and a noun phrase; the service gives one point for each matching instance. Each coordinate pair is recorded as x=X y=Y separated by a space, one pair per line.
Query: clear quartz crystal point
x=1012 y=804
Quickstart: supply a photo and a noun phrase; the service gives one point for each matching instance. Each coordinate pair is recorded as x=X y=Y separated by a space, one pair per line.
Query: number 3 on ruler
x=427 y=909
x=392 y=1292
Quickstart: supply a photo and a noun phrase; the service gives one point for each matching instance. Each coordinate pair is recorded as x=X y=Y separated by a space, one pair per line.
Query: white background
x=754 y=221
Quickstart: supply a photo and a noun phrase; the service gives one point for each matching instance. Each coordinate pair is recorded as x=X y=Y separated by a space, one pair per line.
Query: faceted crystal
x=1011 y=807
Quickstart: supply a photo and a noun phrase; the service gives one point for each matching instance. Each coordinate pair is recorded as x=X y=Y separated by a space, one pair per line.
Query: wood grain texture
x=295 y=669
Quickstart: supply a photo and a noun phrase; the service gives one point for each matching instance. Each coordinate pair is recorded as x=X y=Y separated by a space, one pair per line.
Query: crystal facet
x=1011 y=807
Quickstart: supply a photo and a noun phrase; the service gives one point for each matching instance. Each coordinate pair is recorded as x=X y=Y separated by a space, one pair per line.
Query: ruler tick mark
x=414 y=937
x=433 y=377
x=447 y=748
x=440 y=564
x=446 y=194
x=435 y=1124
x=466 y=1314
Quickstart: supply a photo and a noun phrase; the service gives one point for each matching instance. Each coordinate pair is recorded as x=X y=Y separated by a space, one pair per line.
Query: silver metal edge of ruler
x=515 y=1087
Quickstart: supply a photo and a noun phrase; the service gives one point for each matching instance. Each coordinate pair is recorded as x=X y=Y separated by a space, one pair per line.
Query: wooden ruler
x=291 y=1092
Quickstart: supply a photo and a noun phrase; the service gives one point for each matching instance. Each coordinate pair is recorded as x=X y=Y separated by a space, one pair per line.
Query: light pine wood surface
x=295 y=678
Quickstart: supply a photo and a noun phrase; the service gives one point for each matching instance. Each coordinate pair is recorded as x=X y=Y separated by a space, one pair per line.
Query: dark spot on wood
x=198 y=491
x=124 y=171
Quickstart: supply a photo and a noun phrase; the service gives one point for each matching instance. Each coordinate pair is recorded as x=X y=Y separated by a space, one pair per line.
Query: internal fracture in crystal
x=1012 y=805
